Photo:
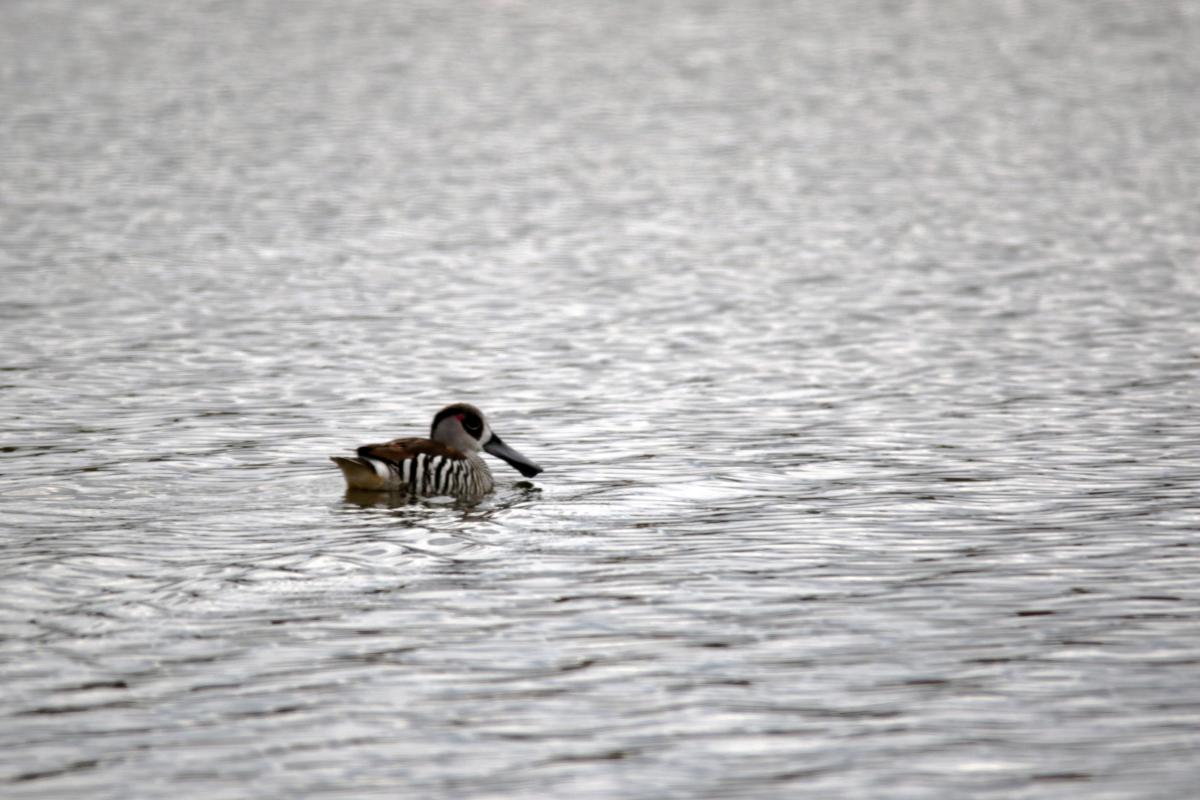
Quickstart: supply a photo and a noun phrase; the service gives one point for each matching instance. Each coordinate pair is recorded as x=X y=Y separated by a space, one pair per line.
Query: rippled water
x=859 y=342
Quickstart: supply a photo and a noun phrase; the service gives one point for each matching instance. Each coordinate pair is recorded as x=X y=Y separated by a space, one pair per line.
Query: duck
x=448 y=463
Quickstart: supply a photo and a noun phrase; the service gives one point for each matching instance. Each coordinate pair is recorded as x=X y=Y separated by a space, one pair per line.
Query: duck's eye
x=473 y=425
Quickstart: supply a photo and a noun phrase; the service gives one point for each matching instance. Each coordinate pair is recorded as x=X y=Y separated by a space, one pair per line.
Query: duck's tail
x=360 y=474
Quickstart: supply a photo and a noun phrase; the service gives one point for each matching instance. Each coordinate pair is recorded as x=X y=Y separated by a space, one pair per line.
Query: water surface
x=859 y=342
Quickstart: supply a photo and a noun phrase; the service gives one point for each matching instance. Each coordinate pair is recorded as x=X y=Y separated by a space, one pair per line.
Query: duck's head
x=463 y=427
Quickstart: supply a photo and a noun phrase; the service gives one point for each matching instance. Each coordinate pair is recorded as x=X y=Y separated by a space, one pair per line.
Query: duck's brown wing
x=399 y=450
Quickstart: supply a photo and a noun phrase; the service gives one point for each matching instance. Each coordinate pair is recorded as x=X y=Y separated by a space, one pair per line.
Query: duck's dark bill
x=514 y=459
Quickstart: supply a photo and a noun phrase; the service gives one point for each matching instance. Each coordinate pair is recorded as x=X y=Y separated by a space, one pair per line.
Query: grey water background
x=859 y=342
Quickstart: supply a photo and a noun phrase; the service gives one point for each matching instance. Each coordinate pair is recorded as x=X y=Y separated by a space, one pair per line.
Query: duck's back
x=421 y=466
